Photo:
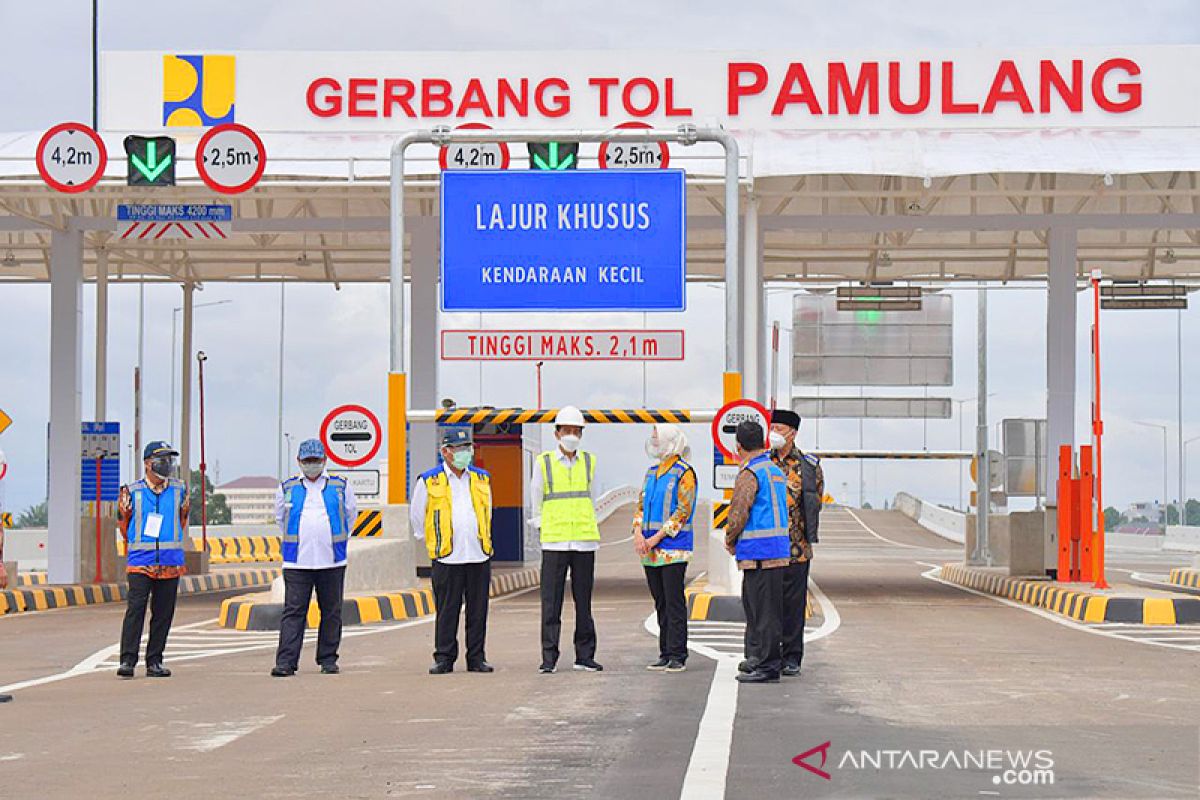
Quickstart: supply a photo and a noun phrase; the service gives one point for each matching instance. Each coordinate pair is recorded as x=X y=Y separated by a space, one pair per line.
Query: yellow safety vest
x=567 y=511
x=439 y=511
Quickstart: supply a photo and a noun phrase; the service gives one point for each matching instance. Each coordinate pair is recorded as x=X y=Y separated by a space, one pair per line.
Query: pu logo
x=198 y=91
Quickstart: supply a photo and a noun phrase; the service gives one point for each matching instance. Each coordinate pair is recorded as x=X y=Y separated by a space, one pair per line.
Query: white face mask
x=312 y=470
x=777 y=441
x=569 y=442
x=652 y=450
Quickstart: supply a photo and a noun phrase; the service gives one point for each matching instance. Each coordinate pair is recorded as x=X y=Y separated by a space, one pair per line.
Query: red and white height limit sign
x=351 y=435
x=725 y=423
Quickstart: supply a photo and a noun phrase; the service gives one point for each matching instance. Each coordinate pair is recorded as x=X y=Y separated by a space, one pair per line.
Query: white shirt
x=316 y=534
x=537 y=491
x=465 y=547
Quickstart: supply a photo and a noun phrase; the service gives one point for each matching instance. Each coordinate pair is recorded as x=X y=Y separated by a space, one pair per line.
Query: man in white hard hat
x=564 y=497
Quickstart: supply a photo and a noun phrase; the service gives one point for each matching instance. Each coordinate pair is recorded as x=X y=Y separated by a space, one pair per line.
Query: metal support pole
x=751 y=298
x=101 y=334
x=983 y=484
x=1180 y=499
x=279 y=445
x=185 y=386
x=140 y=374
x=1062 y=248
x=63 y=546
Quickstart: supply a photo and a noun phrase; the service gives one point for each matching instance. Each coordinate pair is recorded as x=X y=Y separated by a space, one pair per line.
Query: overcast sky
x=336 y=351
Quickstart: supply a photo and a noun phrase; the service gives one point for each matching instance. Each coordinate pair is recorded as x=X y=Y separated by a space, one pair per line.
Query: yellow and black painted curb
x=263 y=548
x=1189 y=578
x=42 y=598
x=369 y=523
x=705 y=605
x=256 y=613
x=1078 y=605
x=31 y=579
x=720 y=513
x=497 y=416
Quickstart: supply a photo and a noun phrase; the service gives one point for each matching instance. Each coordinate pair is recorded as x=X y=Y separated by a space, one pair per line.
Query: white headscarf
x=671 y=442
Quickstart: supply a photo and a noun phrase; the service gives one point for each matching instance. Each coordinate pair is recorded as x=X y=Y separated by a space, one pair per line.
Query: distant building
x=1147 y=510
x=251 y=499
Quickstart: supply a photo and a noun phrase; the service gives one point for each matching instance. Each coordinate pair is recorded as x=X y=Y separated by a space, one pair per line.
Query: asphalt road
x=905 y=664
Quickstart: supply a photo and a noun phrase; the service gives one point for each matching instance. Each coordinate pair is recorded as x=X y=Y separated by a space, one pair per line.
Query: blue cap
x=455 y=437
x=158 y=448
x=311 y=448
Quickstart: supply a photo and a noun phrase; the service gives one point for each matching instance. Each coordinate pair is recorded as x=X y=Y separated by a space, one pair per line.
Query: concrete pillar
x=1060 y=351
x=184 y=445
x=423 y=378
x=66 y=401
x=101 y=334
x=751 y=301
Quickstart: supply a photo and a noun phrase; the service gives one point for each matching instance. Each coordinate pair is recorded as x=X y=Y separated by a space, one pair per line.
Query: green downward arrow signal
x=554 y=162
x=151 y=168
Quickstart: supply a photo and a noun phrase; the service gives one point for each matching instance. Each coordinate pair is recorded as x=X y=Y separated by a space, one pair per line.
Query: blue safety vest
x=660 y=499
x=334 y=494
x=766 y=534
x=167 y=549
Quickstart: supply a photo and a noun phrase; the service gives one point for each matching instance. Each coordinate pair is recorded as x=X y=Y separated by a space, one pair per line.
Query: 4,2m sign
x=532 y=345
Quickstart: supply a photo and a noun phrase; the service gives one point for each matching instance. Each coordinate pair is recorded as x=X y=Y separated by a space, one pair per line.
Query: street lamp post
x=1166 y=439
x=174 y=325
x=1183 y=478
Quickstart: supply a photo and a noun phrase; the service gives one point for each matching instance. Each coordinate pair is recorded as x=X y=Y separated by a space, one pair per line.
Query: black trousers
x=762 y=599
x=298 y=588
x=582 y=565
x=451 y=583
x=795 y=603
x=670 y=605
x=160 y=593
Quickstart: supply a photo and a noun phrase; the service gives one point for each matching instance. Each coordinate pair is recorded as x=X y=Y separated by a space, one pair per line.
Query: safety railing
x=614 y=499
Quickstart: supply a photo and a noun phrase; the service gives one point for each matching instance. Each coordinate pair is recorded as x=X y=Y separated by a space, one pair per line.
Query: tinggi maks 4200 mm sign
x=563 y=241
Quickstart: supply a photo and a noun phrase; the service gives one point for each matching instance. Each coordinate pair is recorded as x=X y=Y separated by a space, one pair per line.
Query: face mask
x=461 y=459
x=569 y=442
x=777 y=441
x=163 y=467
x=652 y=450
x=312 y=469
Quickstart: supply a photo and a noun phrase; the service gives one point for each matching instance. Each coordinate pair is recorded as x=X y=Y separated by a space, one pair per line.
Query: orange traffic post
x=1064 y=512
x=731 y=389
x=1098 y=438
x=1087 y=525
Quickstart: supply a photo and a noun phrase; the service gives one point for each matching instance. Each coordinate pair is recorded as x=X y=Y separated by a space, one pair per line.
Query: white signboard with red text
x=1010 y=88
x=532 y=345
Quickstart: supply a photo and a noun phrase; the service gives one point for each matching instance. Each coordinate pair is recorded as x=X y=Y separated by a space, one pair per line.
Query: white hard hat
x=569 y=415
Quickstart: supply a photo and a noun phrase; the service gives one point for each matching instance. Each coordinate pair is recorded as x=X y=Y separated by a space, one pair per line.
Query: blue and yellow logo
x=198 y=91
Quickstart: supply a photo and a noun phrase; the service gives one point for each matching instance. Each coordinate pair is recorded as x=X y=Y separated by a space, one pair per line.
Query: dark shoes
x=282 y=672
x=758 y=676
x=791 y=670
x=588 y=665
x=441 y=668
x=746 y=665
x=125 y=671
x=675 y=665
x=330 y=669
x=547 y=669
x=482 y=666
x=157 y=671
x=660 y=665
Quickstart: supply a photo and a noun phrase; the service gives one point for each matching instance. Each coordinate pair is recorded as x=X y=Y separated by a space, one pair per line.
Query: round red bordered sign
x=351 y=435
x=231 y=158
x=724 y=424
x=481 y=155
x=635 y=155
x=71 y=157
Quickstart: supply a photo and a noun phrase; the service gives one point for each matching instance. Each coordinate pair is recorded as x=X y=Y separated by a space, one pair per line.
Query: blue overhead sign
x=563 y=241
x=174 y=212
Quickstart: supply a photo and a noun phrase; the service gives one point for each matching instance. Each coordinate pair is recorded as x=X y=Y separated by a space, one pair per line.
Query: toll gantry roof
x=913 y=205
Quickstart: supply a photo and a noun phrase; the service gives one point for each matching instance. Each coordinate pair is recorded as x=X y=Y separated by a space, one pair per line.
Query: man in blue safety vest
x=757 y=536
x=315 y=512
x=152 y=514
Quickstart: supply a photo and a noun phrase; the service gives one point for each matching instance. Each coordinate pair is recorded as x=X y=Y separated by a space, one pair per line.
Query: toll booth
x=507 y=451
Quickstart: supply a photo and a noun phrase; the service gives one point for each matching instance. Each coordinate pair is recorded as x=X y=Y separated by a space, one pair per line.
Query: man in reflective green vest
x=564 y=494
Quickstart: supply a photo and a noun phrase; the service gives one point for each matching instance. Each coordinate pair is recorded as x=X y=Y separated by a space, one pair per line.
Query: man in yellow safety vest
x=564 y=494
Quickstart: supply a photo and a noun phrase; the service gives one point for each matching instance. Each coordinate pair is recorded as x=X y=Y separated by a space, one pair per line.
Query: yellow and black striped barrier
x=31 y=579
x=704 y=605
x=256 y=612
x=497 y=416
x=1083 y=606
x=720 y=517
x=369 y=523
x=6 y=520
x=1189 y=578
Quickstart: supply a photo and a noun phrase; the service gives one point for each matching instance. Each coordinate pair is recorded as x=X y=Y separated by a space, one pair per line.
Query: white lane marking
x=12 y=756
x=1069 y=623
x=226 y=732
x=708 y=767
x=97 y=662
x=867 y=528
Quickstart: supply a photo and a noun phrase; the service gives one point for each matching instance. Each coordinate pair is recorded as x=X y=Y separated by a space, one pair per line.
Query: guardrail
x=614 y=499
x=941 y=521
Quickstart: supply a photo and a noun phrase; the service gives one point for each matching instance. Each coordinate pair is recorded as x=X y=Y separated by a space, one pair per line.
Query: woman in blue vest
x=153 y=515
x=662 y=537
x=756 y=534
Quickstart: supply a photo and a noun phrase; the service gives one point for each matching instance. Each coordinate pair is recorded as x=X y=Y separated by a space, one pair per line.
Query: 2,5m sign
x=570 y=240
x=598 y=345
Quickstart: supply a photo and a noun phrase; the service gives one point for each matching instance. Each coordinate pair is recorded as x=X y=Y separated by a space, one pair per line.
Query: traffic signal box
x=553 y=156
x=151 y=160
